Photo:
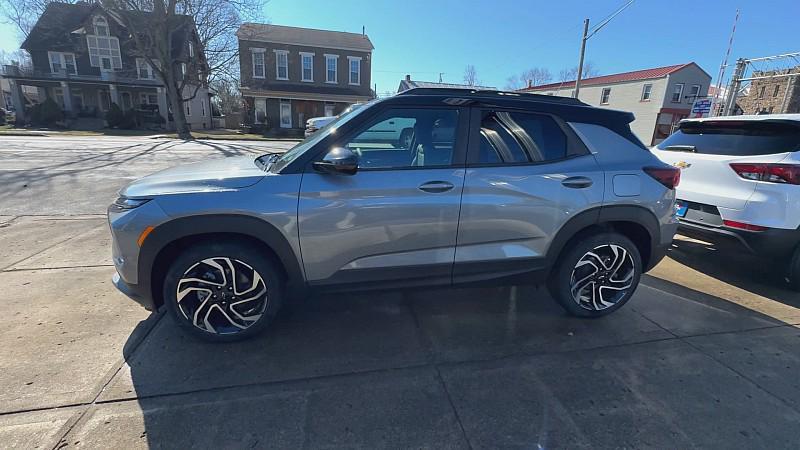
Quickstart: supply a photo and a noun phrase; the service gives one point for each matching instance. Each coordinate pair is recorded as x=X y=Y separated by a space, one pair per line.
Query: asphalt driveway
x=705 y=355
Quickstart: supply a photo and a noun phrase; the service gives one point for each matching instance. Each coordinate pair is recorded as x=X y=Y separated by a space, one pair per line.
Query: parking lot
x=707 y=353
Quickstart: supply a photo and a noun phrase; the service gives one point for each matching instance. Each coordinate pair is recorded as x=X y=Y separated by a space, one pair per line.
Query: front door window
x=286 y=115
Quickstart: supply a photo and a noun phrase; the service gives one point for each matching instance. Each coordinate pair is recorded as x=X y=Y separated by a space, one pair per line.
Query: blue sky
x=504 y=37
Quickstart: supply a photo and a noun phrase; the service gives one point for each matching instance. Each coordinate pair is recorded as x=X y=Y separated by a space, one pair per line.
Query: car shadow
x=735 y=266
x=291 y=386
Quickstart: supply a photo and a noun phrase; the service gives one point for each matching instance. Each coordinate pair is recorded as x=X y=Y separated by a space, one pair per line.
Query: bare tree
x=19 y=58
x=471 y=76
x=532 y=77
x=589 y=71
x=159 y=29
x=23 y=14
x=227 y=96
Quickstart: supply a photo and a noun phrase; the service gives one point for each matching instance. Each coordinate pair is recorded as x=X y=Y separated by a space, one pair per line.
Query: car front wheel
x=597 y=275
x=222 y=292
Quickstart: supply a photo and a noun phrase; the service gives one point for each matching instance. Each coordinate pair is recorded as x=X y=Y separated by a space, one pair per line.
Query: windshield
x=734 y=138
x=309 y=142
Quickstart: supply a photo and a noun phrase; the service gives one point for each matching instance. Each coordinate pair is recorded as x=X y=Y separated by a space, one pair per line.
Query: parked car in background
x=485 y=187
x=741 y=183
x=315 y=124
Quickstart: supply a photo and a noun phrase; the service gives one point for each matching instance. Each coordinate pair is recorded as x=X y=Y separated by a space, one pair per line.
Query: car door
x=527 y=174
x=396 y=218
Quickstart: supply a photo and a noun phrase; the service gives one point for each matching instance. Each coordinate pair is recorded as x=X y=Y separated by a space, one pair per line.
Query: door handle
x=436 y=186
x=577 y=182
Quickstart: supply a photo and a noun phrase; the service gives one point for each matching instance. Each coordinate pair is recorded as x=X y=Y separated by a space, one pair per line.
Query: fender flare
x=599 y=216
x=248 y=226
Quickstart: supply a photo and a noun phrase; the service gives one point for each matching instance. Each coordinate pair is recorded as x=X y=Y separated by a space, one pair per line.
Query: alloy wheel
x=602 y=277
x=222 y=295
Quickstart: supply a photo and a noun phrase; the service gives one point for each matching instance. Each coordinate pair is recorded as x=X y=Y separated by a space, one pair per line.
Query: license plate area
x=698 y=212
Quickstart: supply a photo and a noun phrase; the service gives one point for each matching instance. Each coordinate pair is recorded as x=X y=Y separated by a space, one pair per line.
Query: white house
x=658 y=97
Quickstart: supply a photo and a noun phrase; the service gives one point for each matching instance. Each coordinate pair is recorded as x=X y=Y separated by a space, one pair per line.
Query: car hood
x=208 y=176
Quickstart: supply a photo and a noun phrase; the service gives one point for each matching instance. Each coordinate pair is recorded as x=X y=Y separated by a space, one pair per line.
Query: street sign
x=701 y=107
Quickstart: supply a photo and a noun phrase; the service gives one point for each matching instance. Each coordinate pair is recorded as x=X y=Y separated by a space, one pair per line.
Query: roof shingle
x=645 y=74
x=304 y=36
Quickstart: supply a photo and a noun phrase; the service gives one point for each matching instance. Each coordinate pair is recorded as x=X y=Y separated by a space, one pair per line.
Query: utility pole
x=587 y=35
x=733 y=88
x=580 y=61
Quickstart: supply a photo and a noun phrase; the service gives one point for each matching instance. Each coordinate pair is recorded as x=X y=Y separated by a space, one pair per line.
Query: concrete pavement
x=704 y=355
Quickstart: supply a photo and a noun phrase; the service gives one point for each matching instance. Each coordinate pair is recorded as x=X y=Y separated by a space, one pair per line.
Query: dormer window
x=100 y=26
x=191 y=50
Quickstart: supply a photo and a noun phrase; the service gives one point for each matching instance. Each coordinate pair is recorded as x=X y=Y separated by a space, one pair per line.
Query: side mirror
x=339 y=161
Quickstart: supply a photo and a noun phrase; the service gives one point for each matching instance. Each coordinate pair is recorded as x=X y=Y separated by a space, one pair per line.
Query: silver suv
x=429 y=187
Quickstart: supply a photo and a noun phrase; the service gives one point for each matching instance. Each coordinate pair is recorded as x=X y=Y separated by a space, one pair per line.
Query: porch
x=87 y=99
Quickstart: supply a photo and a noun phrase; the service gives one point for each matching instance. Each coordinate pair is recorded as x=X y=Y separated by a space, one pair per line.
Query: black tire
x=793 y=277
x=606 y=284
x=225 y=312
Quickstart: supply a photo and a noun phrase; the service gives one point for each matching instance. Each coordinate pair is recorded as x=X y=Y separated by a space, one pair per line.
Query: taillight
x=668 y=176
x=743 y=226
x=771 y=173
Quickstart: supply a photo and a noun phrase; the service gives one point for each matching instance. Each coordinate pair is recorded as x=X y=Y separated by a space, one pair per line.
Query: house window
x=307 y=60
x=605 y=95
x=202 y=108
x=258 y=62
x=355 y=69
x=647 y=90
x=761 y=91
x=331 y=61
x=104 y=52
x=148 y=99
x=286 y=114
x=100 y=26
x=329 y=108
x=281 y=64
x=183 y=71
x=677 y=93
x=188 y=109
x=58 y=93
x=62 y=62
x=777 y=89
x=144 y=70
x=695 y=93
x=261 y=110
x=191 y=50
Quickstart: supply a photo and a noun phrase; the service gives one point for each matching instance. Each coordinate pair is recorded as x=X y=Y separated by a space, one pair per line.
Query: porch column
x=67 y=99
x=18 y=100
x=112 y=91
x=163 y=109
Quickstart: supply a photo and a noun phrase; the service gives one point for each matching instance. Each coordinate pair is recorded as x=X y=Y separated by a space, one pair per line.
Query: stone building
x=777 y=95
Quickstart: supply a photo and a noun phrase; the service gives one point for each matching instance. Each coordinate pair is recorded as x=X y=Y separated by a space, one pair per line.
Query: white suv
x=741 y=181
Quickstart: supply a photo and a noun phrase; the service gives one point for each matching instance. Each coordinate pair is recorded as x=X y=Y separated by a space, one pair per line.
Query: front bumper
x=774 y=242
x=135 y=292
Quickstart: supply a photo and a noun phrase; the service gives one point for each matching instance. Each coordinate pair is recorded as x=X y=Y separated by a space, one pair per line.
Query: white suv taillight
x=771 y=173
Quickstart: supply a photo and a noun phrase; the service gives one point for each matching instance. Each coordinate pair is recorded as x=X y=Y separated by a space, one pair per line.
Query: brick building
x=778 y=95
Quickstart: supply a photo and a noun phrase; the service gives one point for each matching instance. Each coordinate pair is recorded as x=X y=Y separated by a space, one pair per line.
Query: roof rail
x=490 y=93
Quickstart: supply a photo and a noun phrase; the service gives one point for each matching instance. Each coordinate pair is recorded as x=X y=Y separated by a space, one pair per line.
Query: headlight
x=125 y=203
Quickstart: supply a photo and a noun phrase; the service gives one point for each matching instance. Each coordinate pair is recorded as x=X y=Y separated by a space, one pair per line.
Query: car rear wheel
x=223 y=292
x=596 y=275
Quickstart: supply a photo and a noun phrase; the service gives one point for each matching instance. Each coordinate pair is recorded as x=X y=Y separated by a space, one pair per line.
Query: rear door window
x=514 y=138
x=734 y=138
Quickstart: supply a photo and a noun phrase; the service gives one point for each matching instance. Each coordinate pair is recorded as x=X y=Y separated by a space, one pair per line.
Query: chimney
x=530 y=84
x=408 y=78
x=363 y=30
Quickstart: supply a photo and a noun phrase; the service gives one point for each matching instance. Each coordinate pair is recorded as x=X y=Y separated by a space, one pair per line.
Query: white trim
x=277 y=66
x=142 y=63
x=649 y=93
x=335 y=58
x=287 y=103
x=303 y=55
x=350 y=60
x=191 y=49
x=680 y=93
x=263 y=53
x=62 y=62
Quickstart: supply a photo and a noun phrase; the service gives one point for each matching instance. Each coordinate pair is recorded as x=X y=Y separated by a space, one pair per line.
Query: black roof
x=569 y=109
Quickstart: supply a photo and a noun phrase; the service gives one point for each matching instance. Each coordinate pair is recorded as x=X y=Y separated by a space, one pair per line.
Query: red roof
x=646 y=74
